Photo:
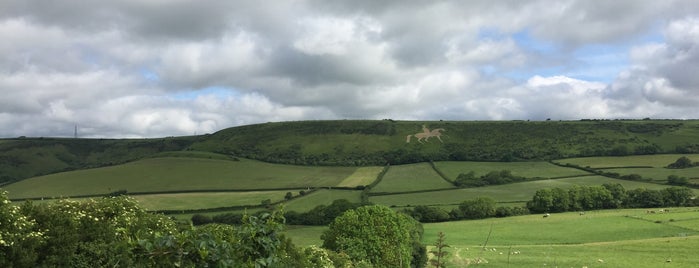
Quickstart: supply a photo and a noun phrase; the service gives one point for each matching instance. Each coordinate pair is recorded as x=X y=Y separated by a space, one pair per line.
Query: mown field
x=452 y=169
x=411 y=177
x=655 y=161
x=611 y=238
x=179 y=174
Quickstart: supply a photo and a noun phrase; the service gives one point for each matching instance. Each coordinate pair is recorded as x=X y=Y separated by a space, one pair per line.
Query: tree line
x=608 y=196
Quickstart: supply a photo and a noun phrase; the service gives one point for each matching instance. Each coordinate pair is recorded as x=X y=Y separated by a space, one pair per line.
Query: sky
x=157 y=68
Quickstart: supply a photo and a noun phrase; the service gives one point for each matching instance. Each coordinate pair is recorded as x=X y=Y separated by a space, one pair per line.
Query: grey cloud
x=114 y=66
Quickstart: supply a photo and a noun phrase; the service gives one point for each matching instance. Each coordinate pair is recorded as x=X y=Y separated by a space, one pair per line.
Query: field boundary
x=178 y=192
x=439 y=172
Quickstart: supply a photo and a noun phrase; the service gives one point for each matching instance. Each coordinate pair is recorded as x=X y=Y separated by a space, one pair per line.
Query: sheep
x=547 y=215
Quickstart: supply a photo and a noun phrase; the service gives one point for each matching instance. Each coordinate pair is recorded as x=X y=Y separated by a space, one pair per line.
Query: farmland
x=301 y=165
x=169 y=174
x=612 y=238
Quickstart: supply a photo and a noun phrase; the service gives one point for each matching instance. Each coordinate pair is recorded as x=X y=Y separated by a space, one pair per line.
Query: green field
x=610 y=238
x=570 y=240
x=179 y=174
x=187 y=201
x=361 y=177
x=452 y=169
x=658 y=175
x=658 y=161
x=320 y=197
x=516 y=192
x=412 y=177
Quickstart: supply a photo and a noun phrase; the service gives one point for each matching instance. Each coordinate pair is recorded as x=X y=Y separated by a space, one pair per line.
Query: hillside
x=364 y=143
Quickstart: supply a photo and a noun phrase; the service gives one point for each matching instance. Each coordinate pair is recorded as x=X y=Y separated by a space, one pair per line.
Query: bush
x=682 y=162
x=375 y=234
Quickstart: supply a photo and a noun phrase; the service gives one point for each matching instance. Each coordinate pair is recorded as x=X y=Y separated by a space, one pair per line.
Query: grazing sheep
x=547 y=215
x=582 y=213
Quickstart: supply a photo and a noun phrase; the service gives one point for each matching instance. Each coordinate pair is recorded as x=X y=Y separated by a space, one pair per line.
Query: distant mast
x=75 y=134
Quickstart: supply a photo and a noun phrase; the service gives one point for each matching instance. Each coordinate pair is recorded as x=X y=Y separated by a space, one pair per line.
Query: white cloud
x=139 y=68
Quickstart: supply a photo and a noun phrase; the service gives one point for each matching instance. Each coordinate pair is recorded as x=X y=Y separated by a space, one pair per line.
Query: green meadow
x=361 y=177
x=179 y=174
x=320 y=197
x=202 y=200
x=452 y=169
x=657 y=161
x=507 y=193
x=412 y=177
x=610 y=238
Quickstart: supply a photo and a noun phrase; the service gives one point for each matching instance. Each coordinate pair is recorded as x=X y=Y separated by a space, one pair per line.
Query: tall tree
x=375 y=234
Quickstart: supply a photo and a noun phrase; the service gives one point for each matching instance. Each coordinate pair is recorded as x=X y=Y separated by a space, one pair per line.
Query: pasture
x=657 y=160
x=320 y=197
x=179 y=174
x=507 y=193
x=411 y=177
x=189 y=201
x=362 y=176
x=452 y=169
x=658 y=175
x=609 y=238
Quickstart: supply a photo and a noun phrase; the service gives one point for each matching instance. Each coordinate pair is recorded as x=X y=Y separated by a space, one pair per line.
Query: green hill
x=364 y=143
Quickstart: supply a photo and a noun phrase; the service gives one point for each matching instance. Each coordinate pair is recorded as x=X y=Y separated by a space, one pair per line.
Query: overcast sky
x=154 y=68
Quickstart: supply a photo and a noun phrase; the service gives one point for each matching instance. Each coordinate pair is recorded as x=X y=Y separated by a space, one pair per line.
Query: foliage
x=321 y=214
x=375 y=234
x=116 y=232
x=439 y=252
x=606 y=196
x=677 y=180
x=424 y=213
x=492 y=178
x=479 y=208
x=683 y=162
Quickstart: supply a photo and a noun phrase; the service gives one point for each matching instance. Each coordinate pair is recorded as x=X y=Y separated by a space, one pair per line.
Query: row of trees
x=492 y=178
x=607 y=196
x=479 y=208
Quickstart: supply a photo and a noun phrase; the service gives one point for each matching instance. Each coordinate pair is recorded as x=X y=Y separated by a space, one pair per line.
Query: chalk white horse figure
x=426 y=134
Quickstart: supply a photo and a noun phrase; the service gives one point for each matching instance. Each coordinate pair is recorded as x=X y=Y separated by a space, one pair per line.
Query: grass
x=362 y=176
x=658 y=160
x=412 y=177
x=320 y=197
x=185 y=201
x=305 y=235
x=452 y=169
x=658 y=175
x=611 y=238
x=616 y=237
x=179 y=174
x=516 y=192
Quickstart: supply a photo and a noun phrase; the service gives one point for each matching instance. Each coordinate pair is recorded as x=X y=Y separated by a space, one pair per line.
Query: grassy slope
x=412 y=177
x=525 y=169
x=357 y=142
x=179 y=174
x=516 y=192
x=320 y=197
x=657 y=161
x=186 y=201
x=350 y=142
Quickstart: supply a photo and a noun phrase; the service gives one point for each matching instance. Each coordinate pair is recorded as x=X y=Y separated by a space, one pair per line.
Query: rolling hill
x=364 y=143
